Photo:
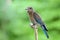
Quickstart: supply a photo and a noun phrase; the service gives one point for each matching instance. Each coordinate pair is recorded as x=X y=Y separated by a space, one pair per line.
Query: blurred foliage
x=14 y=20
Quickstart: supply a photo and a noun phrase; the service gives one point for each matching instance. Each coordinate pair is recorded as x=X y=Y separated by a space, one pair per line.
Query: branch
x=35 y=31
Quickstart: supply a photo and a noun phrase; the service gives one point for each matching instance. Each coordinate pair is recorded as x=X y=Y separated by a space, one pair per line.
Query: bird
x=36 y=19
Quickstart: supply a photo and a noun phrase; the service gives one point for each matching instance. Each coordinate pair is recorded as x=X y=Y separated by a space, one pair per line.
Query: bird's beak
x=26 y=9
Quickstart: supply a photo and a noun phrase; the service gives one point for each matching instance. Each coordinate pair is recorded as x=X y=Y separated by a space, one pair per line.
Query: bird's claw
x=33 y=26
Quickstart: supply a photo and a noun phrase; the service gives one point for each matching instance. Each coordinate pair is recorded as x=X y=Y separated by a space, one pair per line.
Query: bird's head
x=29 y=9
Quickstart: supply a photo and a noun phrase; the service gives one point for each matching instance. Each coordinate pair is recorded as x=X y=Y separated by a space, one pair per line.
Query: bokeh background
x=15 y=24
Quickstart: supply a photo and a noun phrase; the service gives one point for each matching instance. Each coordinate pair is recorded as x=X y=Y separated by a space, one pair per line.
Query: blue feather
x=45 y=32
x=38 y=20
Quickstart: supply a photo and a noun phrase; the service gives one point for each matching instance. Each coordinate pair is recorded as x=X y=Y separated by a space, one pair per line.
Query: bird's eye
x=30 y=8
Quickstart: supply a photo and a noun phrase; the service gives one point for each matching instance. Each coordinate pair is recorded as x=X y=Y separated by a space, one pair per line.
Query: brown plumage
x=35 y=18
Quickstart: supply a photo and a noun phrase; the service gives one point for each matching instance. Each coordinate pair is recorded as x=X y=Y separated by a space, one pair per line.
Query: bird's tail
x=45 y=32
x=45 y=27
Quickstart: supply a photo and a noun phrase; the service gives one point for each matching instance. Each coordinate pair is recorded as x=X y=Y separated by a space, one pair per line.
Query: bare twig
x=35 y=32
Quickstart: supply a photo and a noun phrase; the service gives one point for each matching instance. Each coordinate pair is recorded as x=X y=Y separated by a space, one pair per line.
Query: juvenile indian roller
x=35 y=19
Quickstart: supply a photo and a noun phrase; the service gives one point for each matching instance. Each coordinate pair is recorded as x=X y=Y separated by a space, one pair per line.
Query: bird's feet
x=33 y=25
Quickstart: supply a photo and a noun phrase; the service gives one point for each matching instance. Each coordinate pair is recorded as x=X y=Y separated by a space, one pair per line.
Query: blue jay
x=35 y=19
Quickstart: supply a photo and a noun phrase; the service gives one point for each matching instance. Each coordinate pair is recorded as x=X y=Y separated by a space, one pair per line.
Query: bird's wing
x=38 y=19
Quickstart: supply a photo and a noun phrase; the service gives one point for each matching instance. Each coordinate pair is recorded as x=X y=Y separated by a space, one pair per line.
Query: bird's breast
x=32 y=18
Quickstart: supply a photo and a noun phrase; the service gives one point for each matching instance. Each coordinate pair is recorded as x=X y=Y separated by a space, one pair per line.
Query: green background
x=15 y=24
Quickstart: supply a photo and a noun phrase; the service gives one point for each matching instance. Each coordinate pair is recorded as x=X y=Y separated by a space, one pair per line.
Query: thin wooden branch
x=36 y=34
x=35 y=30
